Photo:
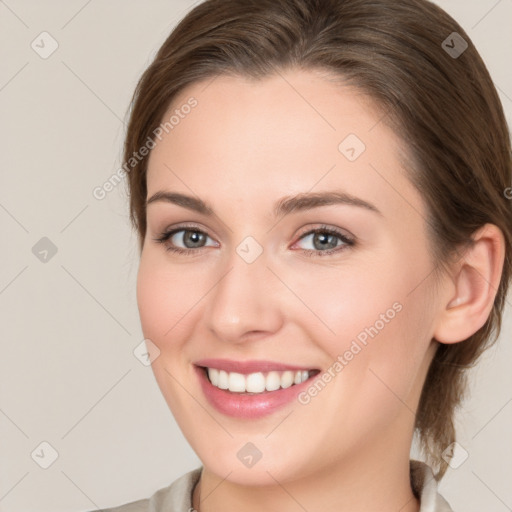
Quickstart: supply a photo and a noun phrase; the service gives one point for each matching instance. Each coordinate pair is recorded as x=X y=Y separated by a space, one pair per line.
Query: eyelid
x=329 y=229
x=187 y=227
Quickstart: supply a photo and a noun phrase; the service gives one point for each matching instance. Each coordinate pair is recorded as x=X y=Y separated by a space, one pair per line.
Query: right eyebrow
x=189 y=202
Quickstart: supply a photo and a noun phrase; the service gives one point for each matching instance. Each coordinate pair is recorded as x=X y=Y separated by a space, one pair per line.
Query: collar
x=424 y=486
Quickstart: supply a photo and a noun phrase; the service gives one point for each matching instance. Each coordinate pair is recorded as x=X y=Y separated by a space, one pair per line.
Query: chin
x=234 y=463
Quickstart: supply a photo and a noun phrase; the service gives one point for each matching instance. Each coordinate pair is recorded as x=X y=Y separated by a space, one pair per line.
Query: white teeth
x=287 y=379
x=223 y=379
x=236 y=382
x=256 y=382
x=273 y=381
x=213 y=374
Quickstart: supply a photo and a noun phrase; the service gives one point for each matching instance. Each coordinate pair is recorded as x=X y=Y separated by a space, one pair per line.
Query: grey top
x=177 y=497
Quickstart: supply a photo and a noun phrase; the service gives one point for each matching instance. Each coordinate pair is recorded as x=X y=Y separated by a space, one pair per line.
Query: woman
x=326 y=245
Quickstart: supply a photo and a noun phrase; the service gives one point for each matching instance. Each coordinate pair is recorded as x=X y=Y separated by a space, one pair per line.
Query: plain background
x=70 y=325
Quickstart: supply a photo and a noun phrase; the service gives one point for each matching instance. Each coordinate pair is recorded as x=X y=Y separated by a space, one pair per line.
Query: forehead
x=248 y=141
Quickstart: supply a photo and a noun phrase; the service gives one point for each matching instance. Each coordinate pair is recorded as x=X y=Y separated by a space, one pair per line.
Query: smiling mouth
x=257 y=382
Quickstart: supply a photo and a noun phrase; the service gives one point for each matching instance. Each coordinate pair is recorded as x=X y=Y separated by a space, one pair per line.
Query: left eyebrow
x=286 y=205
x=307 y=201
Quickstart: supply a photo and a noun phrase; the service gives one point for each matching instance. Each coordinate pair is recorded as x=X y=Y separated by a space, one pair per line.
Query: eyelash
x=348 y=242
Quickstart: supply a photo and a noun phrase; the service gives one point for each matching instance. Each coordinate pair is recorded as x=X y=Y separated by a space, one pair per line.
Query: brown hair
x=444 y=107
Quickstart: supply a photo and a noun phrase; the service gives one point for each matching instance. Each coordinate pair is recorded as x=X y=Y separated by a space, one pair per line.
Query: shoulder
x=424 y=486
x=176 y=497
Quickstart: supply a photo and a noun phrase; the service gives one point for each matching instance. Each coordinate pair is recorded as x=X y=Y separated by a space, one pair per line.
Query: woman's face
x=258 y=285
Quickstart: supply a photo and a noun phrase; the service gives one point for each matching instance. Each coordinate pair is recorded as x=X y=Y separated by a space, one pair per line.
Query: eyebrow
x=285 y=206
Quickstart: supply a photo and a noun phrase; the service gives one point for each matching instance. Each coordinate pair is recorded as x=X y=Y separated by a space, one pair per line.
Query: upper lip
x=246 y=367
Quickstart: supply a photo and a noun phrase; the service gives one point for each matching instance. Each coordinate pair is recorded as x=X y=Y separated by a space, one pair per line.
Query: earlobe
x=476 y=278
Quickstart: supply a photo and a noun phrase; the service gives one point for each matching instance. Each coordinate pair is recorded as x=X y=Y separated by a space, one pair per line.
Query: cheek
x=339 y=304
x=368 y=314
x=165 y=300
x=151 y=300
x=391 y=370
x=376 y=353
x=166 y=295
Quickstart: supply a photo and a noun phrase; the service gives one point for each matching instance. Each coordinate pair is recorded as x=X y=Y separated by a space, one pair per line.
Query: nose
x=244 y=303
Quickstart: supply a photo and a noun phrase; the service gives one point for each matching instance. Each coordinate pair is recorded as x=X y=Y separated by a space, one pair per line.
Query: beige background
x=69 y=326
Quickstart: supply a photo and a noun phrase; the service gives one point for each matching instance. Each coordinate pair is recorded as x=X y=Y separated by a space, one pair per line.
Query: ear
x=469 y=297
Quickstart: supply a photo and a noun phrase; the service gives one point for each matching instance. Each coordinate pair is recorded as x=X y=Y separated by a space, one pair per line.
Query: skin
x=245 y=146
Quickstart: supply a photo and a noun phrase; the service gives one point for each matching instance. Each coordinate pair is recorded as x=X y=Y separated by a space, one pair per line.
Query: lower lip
x=241 y=405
